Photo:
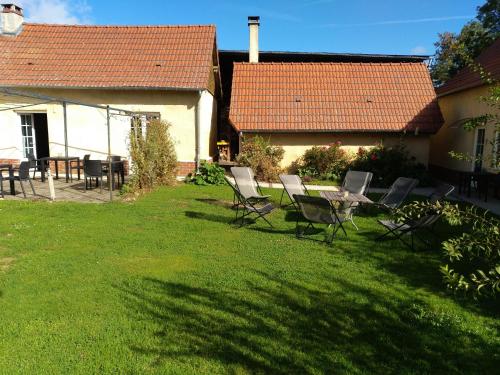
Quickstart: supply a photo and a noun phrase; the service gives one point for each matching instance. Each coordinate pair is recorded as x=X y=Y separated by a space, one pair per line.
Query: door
x=41 y=135
x=479 y=150
x=28 y=135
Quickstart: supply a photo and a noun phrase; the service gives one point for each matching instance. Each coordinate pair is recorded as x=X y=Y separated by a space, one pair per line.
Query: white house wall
x=87 y=132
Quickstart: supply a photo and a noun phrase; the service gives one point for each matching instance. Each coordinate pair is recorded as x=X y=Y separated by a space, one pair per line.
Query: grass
x=165 y=285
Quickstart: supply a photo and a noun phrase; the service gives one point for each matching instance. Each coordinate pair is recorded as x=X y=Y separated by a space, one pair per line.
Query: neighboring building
x=459 y=100
x=363 y=103
x=167 y=72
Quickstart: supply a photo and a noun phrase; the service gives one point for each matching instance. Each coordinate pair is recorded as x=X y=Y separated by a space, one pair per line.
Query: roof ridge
x=118 y=26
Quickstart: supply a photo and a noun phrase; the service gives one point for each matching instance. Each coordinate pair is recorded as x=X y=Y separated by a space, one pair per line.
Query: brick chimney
x=11 y=19
x=253 y=25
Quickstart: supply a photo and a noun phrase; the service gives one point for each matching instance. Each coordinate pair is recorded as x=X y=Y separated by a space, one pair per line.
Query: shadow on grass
x=273 y=325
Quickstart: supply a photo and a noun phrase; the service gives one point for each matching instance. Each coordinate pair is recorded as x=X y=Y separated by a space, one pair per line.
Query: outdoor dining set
x=93 y=171
x=333 y=208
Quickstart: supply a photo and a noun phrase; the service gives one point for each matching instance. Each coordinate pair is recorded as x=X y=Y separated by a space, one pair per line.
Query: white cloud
x=419 y=50
x=56 y=11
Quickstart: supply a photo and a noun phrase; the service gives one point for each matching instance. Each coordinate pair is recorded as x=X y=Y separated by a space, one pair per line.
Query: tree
x=453 y=51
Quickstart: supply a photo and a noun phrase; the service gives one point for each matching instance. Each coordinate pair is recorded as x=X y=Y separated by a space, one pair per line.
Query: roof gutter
x=145 y=88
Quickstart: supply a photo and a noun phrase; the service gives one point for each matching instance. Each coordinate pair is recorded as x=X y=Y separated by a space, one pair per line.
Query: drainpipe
x=240 y=141
x=197 y=131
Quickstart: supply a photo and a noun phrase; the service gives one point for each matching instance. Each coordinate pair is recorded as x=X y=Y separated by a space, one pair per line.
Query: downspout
x=197 y=131
x=240 y=141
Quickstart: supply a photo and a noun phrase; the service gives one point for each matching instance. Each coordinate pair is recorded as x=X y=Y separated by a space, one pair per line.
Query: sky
x=341 y=26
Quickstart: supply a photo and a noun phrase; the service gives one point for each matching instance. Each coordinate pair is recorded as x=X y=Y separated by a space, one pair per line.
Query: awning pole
x=110 y=171
x=66 y=162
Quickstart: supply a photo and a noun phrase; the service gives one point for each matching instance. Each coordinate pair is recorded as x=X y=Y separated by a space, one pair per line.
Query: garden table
x=10 y=168
x=117 y=166
x=340 y=196
x=45 y=162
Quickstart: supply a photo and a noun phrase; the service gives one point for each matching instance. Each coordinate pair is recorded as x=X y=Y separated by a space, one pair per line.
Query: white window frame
x=145 y=118
x=24 y=138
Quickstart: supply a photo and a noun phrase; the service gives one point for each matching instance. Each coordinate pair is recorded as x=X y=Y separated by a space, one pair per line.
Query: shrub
x=154 y=161
x=208 y=174
x=327 y=163
x=472 y=261
x=389 y=163
x=264 y=158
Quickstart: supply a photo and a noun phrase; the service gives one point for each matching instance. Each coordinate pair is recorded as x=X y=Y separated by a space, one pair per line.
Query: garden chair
x=35 y=164
x=441 y=192
x=318 y=210
x=246 y=206
x=397 y=193
x=247 y=184
x=23 y=175
x=410 y=227
x=292 y=184
x=356 y=182
x=93 y=169
x=75 y=165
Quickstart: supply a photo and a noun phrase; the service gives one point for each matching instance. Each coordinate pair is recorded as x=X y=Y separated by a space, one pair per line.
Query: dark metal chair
x=260 y=206
x=77 y=165
x=116 y=168
x=292 y=184
x=93 y=169
x=23 y=174
x=35 y=165
x=318 y=210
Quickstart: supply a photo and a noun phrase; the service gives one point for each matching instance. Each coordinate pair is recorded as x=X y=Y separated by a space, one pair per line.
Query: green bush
x=264 y=158
x=154 y=161
x=326 y=163
x=389 y=163
x=208 y=174
x=472 y=259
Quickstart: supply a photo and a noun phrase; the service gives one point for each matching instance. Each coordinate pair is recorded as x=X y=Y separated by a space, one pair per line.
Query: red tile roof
x=177 y=57
x=333 y=97
x=489 y=59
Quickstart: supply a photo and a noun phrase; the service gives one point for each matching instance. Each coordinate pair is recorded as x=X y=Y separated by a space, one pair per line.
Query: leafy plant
x=154 y=161
x=327 y=163
x=389 y=163
x=263 y=157
x=473 y=258
x=208 y=174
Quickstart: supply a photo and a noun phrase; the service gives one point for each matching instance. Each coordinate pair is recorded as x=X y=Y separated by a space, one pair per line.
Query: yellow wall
x=87 y=132
x=295 y=144
x=452 y=137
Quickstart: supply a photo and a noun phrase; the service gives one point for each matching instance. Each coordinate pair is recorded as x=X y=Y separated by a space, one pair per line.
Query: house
x=459 y=100
x=165 y=72
x=299 y=105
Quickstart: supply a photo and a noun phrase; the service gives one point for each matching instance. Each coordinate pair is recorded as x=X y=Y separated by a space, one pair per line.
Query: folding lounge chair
x=441 y=192
x=318 y=210
x=397 y=193
x=425 y=222
x=410 y=227
x=292 y=184
x=246 y=183
x=258 y=205
x=356 y=182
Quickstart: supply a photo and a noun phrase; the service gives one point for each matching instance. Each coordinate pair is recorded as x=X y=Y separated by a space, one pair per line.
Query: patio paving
x=71 y=191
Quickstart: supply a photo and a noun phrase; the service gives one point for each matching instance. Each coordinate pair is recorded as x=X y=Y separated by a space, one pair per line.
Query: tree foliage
x=455 y=51
x=472 y=259
x=154 y=161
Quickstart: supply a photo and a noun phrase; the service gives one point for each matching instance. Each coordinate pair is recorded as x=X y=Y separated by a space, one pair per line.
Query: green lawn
x=165 y=285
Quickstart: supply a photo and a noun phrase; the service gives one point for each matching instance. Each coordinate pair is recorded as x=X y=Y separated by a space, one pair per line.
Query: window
x=478 y=154
x=142 y=120
x=28 y=135
x=495 y=163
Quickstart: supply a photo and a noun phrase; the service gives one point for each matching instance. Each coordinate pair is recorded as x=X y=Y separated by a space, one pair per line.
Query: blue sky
x=357 y=26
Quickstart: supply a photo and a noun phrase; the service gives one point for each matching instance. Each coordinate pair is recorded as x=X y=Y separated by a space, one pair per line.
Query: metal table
x=120 y=168
x=482 y=180
x=10 y=168
x=45 y=162
x=339 y=196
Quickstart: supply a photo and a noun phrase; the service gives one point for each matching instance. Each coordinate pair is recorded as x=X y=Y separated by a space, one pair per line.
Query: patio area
x=64 y=191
